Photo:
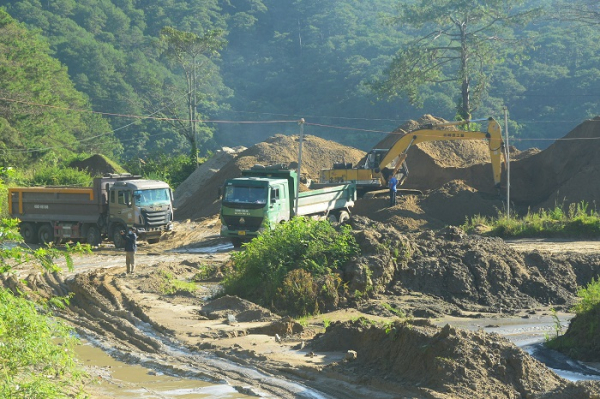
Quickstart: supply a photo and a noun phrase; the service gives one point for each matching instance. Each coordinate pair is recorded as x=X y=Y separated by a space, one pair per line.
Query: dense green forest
x=147 y=67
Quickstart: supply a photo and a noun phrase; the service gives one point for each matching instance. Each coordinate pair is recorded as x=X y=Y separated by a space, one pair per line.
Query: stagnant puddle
x=118 y=380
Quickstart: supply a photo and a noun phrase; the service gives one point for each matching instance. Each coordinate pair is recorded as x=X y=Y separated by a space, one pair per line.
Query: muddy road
x=229 y=347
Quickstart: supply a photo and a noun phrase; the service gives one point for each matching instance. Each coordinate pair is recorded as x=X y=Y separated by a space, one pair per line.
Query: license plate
x=241 y=233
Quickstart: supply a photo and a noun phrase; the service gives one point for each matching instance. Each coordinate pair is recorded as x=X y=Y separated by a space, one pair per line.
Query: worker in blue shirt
x=393 y=190
x=130 y=248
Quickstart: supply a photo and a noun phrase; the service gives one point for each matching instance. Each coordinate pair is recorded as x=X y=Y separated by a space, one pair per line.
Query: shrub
x=261 y=273
x=32 y=362
x=589 y=297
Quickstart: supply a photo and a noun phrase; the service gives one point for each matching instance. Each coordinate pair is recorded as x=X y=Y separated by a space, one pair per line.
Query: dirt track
x=187 y=334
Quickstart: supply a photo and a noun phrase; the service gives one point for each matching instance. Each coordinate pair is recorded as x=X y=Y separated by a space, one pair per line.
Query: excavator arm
x=399 y=150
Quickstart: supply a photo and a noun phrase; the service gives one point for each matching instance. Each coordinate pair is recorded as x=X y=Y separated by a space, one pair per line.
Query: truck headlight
x=224 y=228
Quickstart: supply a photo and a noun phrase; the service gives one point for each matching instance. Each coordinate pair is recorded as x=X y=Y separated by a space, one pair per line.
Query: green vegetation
x=582 y=339
x=36 y=350
x=173 y=169
x=577 y=221
x=589 y=297
x=170 y=285
x=292 y=268
x=37 y=358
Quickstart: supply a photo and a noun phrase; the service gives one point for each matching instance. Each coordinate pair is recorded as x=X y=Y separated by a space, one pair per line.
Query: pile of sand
x=317 y=154
x=566 y=172
x=203 y=173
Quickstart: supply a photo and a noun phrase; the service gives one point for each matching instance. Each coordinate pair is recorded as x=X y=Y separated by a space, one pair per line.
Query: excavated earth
x=381 y=345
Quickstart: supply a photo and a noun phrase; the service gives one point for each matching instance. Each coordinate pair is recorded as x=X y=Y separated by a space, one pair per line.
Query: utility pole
x=507 y=157
x=301 y=123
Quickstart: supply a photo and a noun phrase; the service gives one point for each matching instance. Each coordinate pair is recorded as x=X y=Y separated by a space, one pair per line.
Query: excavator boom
x=381 y=164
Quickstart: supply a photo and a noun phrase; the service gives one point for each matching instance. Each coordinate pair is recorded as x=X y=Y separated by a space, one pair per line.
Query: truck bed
x=43 y=204
x=326 y=199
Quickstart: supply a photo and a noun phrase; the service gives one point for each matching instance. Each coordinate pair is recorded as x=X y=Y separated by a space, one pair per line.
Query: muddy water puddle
x=116 y=379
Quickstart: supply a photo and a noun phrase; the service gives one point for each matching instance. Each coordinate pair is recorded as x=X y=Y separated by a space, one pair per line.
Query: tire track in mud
x=103 y=314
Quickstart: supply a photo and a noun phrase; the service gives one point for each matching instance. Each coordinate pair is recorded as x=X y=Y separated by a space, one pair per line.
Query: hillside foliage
x=283 y=59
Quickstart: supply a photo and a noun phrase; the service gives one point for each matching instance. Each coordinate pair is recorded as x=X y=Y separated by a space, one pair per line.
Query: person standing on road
x=130 y=248
x=393 y=190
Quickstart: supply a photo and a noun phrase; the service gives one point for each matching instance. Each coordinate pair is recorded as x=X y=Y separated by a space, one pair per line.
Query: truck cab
x=143 y=204
x=253 y=203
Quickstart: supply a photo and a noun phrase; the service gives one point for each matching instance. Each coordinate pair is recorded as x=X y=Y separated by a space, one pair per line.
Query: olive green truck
x=114 y=203
x=266 y=196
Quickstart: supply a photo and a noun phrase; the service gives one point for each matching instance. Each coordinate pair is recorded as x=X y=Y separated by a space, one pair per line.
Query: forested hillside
x=335 y=63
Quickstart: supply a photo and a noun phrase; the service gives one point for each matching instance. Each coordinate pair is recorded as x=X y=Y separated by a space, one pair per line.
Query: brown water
x=116 y=379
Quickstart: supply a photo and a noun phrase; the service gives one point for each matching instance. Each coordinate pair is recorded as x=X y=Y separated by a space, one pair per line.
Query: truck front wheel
x=93 y=236
x=45 y=234
x=28 y=233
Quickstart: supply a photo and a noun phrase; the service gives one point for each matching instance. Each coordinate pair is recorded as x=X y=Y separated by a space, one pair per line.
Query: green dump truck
x=266 y=196
x=114 y=203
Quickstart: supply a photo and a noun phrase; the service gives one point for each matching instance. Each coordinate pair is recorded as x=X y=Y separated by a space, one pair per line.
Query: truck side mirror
x=220 y=192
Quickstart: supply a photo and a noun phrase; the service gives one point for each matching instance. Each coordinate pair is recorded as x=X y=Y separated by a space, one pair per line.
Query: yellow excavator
x=375 y=170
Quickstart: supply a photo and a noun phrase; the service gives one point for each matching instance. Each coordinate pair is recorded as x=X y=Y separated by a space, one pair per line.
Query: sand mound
x=201 y=175
x=97 y=165
x=450 y=204
x=430 y=362
x=317 y=154
x=565 y=172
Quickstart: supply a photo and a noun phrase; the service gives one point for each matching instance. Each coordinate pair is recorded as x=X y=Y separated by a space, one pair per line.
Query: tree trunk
x=465 y=109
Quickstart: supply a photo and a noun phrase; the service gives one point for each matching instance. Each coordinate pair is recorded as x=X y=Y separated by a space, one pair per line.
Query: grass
x=170 y=285
x=581 y=340
x=578 y=221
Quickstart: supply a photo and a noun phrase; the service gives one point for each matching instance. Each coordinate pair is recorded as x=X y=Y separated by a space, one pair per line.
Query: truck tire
x=344 y=216
x=45 y=234
x=331 y=218
x=116 y=236
x=93 y=237
x=28 y=233
x=153 y=240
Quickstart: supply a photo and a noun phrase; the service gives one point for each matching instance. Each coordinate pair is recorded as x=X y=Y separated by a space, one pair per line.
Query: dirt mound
x=474 y=273
x=241 y=310
x=582 y=339
x=567 y=171
x=97 y=165
x=450 y=204
x=431 y=362
x=317 y=154
x=455 y=201
x=203 y=173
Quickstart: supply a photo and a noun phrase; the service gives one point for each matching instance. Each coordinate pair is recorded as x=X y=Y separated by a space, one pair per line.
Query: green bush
x=266 y=270
x=37 y=359
x=589 y=297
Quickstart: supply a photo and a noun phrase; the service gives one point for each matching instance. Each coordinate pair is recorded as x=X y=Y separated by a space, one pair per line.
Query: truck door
x=277 y=205
x=121 y=206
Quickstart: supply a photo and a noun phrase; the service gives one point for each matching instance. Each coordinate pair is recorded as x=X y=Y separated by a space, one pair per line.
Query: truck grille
x=155 y=218
x=250 y=223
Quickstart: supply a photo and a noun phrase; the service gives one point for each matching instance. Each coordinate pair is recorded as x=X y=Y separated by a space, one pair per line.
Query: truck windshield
x=157 y=196
x=246 y=194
